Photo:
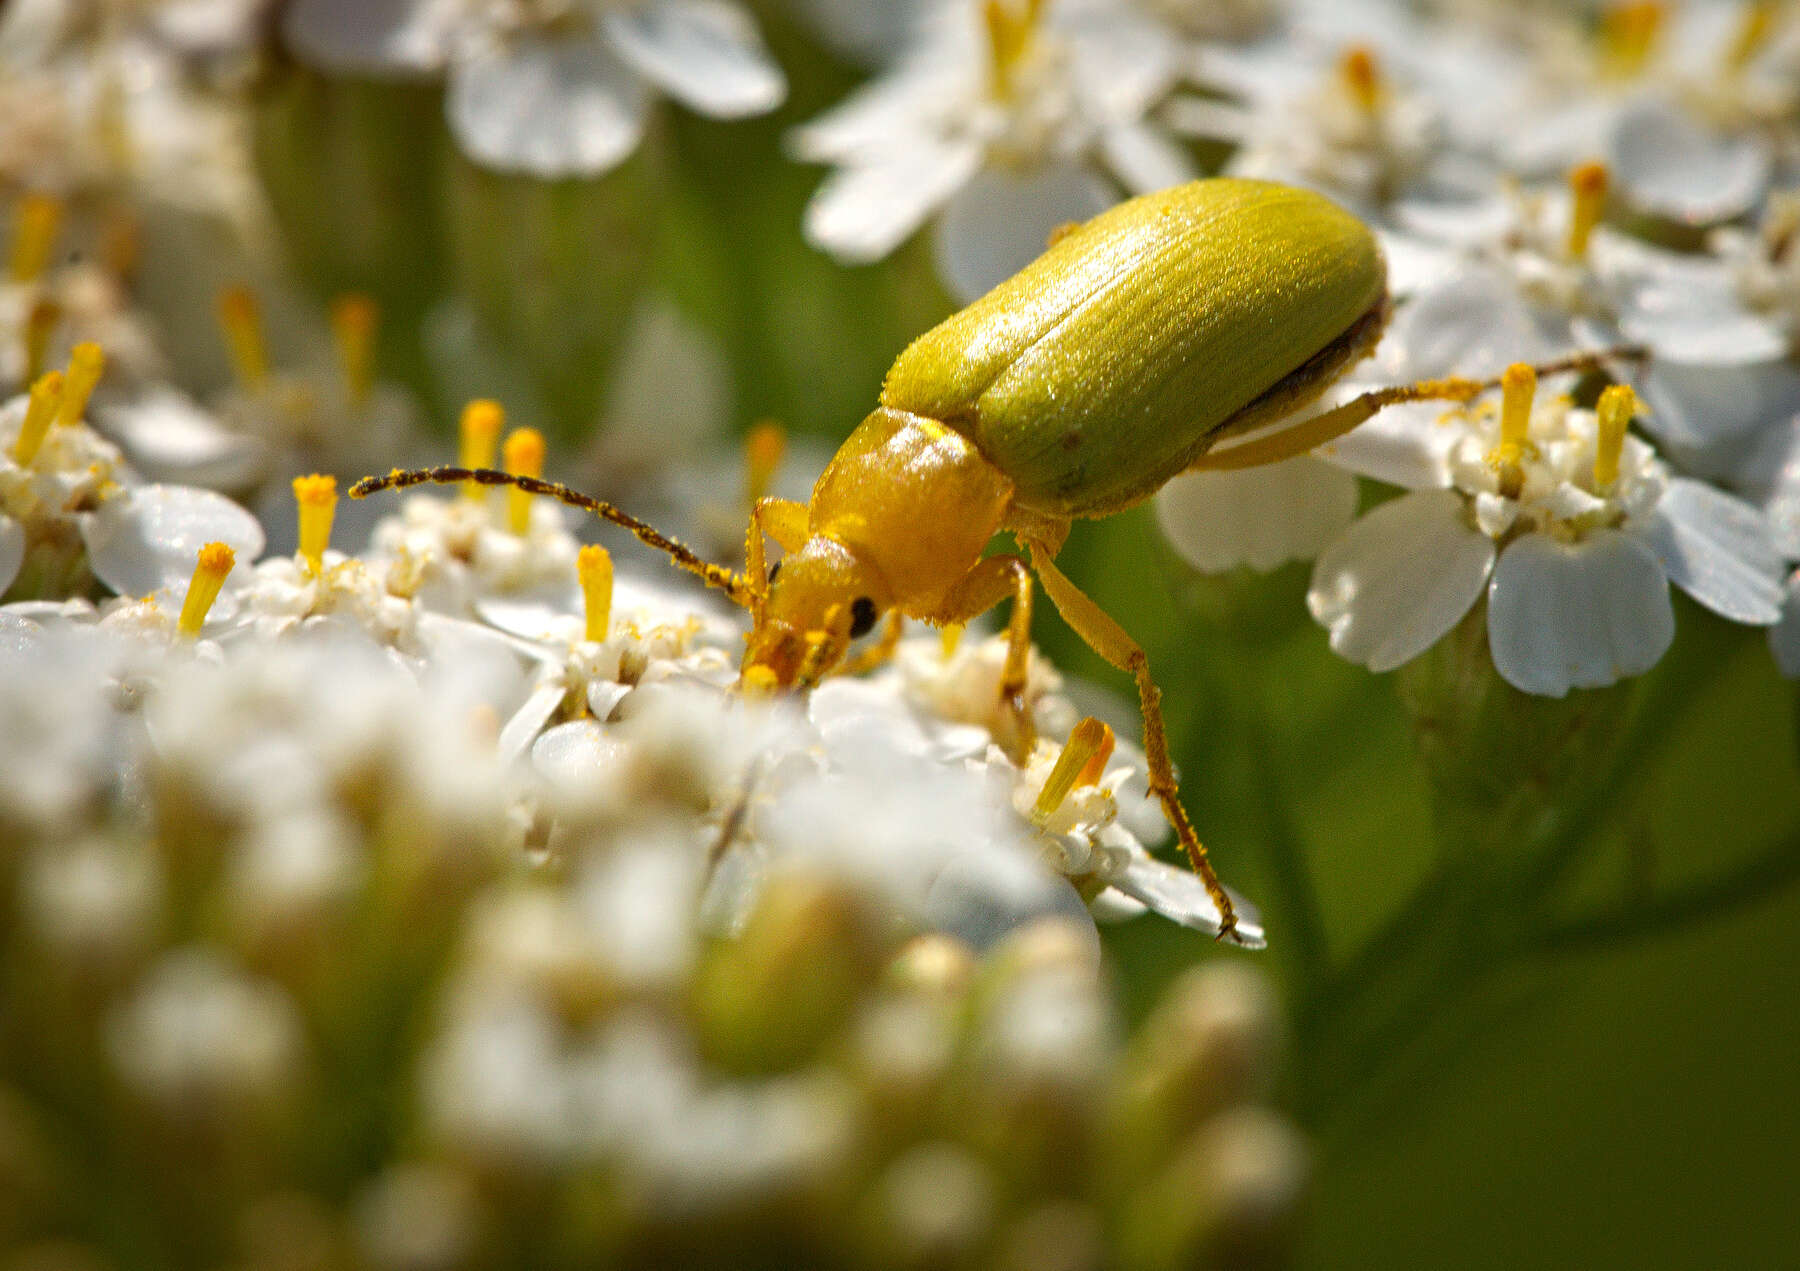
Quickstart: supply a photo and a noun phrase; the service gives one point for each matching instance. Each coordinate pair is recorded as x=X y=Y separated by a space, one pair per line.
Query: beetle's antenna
x=725 y=580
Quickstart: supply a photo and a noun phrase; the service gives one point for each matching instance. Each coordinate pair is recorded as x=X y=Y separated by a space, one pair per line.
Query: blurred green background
x=1487 y=1083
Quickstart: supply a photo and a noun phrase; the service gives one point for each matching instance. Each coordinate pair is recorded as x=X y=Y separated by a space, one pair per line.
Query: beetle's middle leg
x=990 y=581
x=1107 y=638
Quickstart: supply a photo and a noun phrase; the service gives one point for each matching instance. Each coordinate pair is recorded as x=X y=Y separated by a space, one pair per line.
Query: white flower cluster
x=334 y=961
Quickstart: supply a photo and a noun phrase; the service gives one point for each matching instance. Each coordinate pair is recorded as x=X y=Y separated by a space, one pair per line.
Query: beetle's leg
x=1107 y=638
x=1309 y=434
x=983 y=587
x=882 y=651
x=782 y=520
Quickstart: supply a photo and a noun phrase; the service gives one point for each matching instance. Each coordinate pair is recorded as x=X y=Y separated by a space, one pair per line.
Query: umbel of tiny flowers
x=551 y=90
x=1570 y=527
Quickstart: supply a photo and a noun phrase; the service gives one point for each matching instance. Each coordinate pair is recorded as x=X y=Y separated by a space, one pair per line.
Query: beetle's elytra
x=1117 y=359
x=1111 y=362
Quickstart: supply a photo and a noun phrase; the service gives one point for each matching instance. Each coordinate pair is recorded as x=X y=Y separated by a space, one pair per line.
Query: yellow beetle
x=1123 y=355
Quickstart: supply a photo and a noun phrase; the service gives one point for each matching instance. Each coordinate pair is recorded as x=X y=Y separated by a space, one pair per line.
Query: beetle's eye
x=773 y=570
x=862 y=616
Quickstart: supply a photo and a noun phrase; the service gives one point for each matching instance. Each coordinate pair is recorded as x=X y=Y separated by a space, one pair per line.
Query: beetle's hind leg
x=1309 y=434
x=1107 y=638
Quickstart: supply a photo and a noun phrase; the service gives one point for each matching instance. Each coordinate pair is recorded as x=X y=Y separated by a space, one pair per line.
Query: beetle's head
x=820 y=598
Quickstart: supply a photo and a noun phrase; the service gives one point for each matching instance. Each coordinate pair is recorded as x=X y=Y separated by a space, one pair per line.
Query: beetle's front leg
x=1107 y=638
x=991 y=580
x=783 y=520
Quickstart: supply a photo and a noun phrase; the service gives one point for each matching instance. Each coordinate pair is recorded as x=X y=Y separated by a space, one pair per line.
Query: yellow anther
x=1628 y=35
x=214 y=563
x=1752 y=34
x=1587 y=184
x=594 y=567
x=523 y=455
x=1009 y=35
x=1088 y=741
x=482 y=423
x=1616 y=407
x=40 y=413
x=1362 y=76
x=764 y=446
x=86 y=363
x=317 y=498
x=1518 y=385
x=1095 y=767
x=240 y=319
x=41 y=321
x=354 y=319
x=35 y=225
x=950 y=639
x=759 y=681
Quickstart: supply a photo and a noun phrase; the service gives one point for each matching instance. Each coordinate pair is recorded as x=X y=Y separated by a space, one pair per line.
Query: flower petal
x=1667 y=164
x=546 y=106
x=704 y=53
x=1689 y=309
x=1144 y=159
x=527 y=723
x=12 y=550
x=1577 y=615
x=1700 y=405
x=370 y=35
x=999 y=222
x=1718 y=549
x=168 y=437
x=1176 y=892
x=862 y=213
x=1469 y=324
x=147 y=537
x=1400 y=578
x=1260 y=517
x=1784 y=636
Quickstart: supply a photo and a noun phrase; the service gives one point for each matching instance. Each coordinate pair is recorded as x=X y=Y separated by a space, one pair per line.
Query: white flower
x=1573 y=532
x=553 y=88
x=1008 y=132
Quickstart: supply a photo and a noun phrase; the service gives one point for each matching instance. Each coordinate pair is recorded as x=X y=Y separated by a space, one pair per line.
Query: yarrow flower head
x=552 y=88
x=1005 y=121
x=1572 y=529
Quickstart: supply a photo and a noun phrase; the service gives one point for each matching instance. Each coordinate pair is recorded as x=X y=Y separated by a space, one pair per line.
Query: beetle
x=1141 y=344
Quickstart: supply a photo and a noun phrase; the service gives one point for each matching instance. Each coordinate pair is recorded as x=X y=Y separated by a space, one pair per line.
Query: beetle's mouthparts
x=774 y=656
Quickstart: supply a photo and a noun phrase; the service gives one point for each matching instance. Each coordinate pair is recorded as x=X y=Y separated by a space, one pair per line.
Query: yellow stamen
x=1628 y=36
x=950 y=639
x=1095 y=768
x=1752 y=35
x=354 y=318
x=1362 y=76
x=759 y=681
x=240 y=318
x=35 y=225
x=1089 y=740
x=86 y=362
x=1009 y=38
x=593 y=566
x=1518 y=385
x=121 y=244
x=40 y=324
x=1616 y=407
x=482 y=422
x=1587 y=183
x=214 y=563
x=523 y=455
x=40 y=412
x=764 y=447
x=317 y=497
